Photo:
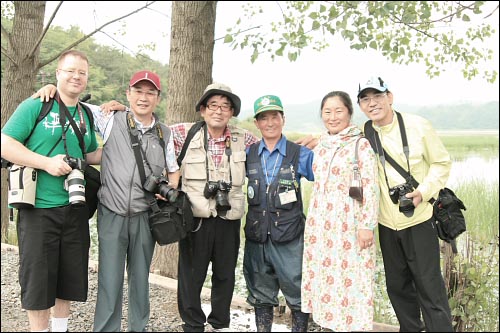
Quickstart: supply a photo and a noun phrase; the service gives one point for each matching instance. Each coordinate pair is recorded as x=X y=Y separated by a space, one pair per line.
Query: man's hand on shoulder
x=112 y=106
x=45 y=93
x=309 y=141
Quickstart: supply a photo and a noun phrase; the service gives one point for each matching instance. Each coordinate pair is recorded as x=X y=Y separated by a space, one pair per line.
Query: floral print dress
x=337 y=277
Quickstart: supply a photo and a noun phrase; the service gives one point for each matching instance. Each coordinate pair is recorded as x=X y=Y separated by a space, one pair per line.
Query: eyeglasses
x=376 y=97
x=149 y=93
x=223 y=107
x=72 y=72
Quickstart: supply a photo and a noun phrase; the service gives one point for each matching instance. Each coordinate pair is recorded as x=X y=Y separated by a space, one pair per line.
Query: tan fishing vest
x=194 y=175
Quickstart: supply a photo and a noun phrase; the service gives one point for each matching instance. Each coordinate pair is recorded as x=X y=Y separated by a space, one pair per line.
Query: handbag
x=356 y=188
x=448 y=216
x=172 y=221
x=92 y=185
x=169 y=221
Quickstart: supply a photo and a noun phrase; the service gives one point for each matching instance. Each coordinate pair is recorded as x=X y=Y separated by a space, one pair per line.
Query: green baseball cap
x=267 y=103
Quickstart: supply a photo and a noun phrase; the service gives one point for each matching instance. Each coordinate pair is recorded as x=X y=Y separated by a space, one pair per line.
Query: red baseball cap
x=146 y=75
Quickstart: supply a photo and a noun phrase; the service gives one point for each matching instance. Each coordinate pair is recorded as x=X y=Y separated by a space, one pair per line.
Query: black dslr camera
x=75 y=163
x=219 y=189
x=398 y=194
x=159 y=184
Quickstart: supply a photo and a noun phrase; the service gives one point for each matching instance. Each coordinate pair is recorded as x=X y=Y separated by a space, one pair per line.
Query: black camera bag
x=449 y=219
x=92 y=184
x=173 y=221
x=169 y=221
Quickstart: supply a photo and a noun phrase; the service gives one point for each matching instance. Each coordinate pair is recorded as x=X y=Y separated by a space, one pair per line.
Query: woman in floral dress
x=339 y=253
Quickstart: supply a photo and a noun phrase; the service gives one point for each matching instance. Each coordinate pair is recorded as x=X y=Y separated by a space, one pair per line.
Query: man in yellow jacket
x=408 y=240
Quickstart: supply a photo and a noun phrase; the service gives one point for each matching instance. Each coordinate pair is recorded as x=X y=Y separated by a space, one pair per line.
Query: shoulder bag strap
x=134 y=138
x=356 y=153
x=192 y=131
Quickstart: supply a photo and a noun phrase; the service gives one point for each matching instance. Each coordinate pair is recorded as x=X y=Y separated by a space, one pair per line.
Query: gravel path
x=164 y=314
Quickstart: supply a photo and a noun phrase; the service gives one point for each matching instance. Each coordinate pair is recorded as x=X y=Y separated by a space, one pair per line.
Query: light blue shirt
x=271 y=160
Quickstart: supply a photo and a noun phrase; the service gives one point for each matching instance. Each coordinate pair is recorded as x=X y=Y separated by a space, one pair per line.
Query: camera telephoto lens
x=210 y=189
x=221 y=201
x=406 y=206
x=168 y=192
x=75 y=185
x=394 y=195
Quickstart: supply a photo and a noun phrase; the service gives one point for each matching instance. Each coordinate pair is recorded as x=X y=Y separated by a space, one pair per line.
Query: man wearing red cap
x=123 y=213
x=123 y=227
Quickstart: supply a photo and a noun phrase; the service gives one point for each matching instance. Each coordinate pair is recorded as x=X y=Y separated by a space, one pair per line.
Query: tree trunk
x=190 y=71
x=165 y=260
x=20 y=69
x=191 y=57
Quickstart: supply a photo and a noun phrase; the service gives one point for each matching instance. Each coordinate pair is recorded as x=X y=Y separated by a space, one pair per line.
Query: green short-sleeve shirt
x=50 y=190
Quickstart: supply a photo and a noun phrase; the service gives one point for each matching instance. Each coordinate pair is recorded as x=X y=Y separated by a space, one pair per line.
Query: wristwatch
x=127 y=109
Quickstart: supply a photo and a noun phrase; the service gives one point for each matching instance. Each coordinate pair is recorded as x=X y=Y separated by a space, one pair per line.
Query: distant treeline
x=305 y=118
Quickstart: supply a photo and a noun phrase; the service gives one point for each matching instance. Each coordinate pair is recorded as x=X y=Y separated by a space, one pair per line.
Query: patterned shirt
x=216 y=146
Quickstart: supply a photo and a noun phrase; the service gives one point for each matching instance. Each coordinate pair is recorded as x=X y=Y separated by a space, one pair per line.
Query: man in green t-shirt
x=53 y=236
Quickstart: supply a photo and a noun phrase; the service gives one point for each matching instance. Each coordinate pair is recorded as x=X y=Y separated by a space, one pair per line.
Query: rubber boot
x=264 y=319
x=300 y=320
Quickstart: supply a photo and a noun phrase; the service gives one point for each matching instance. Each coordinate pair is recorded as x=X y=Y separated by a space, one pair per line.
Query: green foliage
x=471 y=277
x=459 y=116
x=472 y=283
x=110 y=68
x=403 y=31
x=7 y=11
x=12 y=231
x=383 y=311
x=247 y=124
x=481 y=200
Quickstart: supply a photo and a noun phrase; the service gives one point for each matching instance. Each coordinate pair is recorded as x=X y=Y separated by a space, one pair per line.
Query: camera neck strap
x=355 y=166
x=79 y=130
x=374 y=139
x=372 y=136
x=227 y=151
x=140 y=157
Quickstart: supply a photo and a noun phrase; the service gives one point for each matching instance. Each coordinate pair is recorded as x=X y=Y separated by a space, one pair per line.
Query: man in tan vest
x=213 y=174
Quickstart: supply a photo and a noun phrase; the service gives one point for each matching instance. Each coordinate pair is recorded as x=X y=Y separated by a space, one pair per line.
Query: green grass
x=462 y=146
x=481 y=216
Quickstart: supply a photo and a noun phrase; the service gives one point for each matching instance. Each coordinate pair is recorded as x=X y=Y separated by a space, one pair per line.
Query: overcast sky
x=307 y=79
